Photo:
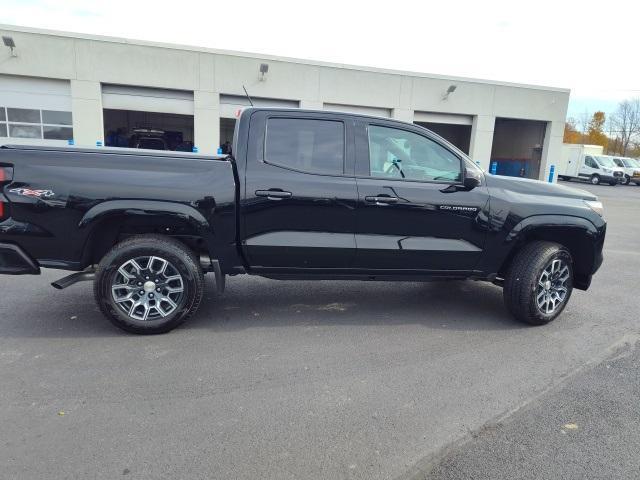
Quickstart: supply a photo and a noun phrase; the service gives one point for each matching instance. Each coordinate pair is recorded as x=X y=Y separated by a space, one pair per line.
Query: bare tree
x=583 y=122
x=626 y=121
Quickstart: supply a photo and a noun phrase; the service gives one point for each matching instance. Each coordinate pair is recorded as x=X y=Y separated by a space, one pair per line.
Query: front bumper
x=612 y=178
x=14 y=261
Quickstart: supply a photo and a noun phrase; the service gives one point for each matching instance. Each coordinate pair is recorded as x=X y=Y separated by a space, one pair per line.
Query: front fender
x=549 y=221
x=579 y=234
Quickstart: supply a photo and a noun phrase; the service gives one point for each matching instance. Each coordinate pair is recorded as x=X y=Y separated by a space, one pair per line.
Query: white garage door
x=447 y=118
x=140 y=99
x=230 y=104
x=35 y=110
x=374 y=111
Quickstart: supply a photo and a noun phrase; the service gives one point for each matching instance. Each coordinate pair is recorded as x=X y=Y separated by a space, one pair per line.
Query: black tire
x=627 y=180
x=173 y=308
x=522 y=281
x=595 y=179
x=563 y=178
x=613 y=184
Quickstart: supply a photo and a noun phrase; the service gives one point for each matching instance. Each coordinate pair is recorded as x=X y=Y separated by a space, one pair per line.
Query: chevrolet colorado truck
x=306 y=195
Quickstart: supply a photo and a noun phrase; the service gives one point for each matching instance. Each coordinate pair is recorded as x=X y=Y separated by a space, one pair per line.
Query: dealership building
x=59 y=87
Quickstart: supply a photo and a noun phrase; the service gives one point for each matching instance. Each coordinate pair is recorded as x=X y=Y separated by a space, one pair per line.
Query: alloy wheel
x=147 y=288
x=552 y=287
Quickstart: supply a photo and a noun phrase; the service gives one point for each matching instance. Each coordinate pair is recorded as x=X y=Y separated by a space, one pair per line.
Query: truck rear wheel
x=149 y=284
x=539 y=282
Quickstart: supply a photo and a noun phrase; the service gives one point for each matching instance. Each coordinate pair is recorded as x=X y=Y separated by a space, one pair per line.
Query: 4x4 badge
x=28 y=192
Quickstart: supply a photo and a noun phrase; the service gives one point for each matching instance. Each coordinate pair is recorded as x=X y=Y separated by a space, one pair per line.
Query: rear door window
x=307 y=145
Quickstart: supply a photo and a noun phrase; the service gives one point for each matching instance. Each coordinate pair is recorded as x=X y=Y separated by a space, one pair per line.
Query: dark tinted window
x=57 y=133
x=55 y=117
x=401 y=154
x=23 y=115
x=3 y=129
x=315 y=146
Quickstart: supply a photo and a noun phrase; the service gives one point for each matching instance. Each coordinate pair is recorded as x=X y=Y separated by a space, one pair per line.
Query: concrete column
x=482 y=139
x=311 y=105
x=86 y=108
x=206 y=121
x=551 y=149
x=402 y=114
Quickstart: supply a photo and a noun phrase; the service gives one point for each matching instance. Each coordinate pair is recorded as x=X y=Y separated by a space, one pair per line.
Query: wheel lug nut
x=141 y=292
x=158 y=290
x=151 y=295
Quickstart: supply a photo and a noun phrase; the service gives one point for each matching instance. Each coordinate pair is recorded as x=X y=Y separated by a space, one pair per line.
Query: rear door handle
x=382 y=200
x=273 y=194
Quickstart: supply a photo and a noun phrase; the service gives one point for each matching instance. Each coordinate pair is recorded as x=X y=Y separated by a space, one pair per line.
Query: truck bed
x=82 y=199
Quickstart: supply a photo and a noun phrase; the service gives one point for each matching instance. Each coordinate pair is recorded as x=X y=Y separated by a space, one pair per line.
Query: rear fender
x=146 y=210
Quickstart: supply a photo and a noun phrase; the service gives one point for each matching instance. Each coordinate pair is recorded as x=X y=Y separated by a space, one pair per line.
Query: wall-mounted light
x=264 y=69
x=450 y=90
x=8 y=42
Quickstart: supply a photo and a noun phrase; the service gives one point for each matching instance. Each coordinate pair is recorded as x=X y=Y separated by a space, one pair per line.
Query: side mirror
x=472 y=179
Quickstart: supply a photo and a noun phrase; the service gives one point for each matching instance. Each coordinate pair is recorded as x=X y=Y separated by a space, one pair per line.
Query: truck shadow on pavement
x=255 y=302
x=252 y=302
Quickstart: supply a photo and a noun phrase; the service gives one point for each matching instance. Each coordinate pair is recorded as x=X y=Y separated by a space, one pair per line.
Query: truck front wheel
x=595 y=179
x=149 y=284
x=539 y=282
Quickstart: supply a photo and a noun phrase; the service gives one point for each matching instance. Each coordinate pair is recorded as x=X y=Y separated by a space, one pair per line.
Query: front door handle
x=273 y=194
x=382 y=200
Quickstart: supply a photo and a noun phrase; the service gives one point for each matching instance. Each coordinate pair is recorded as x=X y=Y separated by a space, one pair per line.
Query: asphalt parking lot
x=278 y=380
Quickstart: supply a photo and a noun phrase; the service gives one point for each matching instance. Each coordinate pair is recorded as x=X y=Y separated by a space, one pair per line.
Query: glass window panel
x=3 y=129
x=304 y=144
x=23 y=115
x=400 y=154
x=57 y=133
x=25 y=131
x=3 y=116
x=56 y=117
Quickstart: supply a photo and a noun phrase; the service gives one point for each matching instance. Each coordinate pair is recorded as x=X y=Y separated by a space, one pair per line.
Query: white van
x=586 y=162
x=631 y=168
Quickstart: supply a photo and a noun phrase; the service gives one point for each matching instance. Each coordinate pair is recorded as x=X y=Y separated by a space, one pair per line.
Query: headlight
x=606 y=170
x=596 y=206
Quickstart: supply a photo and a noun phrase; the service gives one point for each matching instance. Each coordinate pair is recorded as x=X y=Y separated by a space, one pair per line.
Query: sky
x=589 y=47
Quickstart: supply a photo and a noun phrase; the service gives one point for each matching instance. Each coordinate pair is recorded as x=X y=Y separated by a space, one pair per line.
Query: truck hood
x=536 y=187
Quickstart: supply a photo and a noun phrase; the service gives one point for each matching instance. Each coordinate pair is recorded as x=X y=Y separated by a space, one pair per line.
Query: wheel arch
x=576 y=234
x=109 y=222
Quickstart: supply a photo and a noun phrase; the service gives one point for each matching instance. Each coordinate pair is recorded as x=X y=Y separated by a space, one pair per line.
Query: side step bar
x=73 y=279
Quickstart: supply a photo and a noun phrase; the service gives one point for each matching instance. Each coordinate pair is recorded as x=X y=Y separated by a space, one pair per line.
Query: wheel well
x=116 y=228
x=573 y=238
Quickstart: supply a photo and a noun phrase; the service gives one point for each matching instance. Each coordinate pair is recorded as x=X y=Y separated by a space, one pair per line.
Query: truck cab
x=601 y=169
x=631 y=168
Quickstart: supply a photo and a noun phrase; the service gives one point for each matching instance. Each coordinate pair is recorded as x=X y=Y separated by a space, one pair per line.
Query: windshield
x=606 y=162
x=632 y=163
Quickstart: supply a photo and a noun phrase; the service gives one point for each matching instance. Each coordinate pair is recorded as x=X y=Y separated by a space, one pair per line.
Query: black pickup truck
x=307 y=195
